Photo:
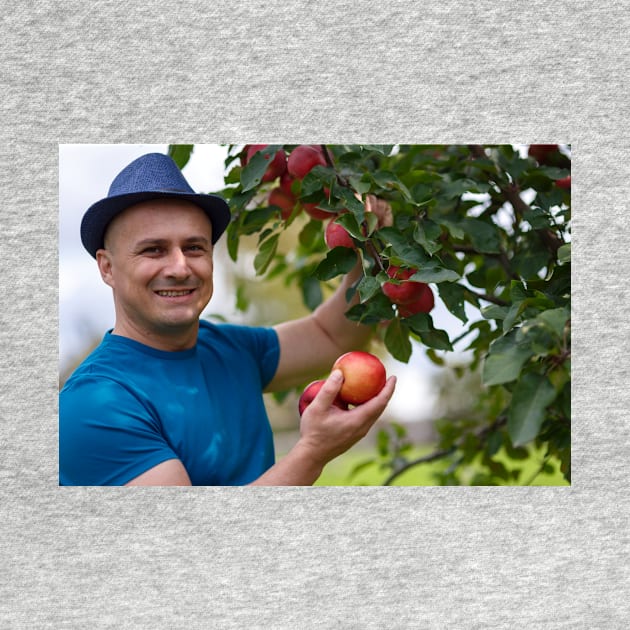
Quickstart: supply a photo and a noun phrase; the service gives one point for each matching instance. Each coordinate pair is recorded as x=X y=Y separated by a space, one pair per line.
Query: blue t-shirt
x=129 y=407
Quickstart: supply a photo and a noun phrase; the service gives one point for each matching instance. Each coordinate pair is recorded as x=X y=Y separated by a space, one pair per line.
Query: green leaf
x=254 y=220
x=311 y=292
x=494 y=311
x=374 y=311
x=426 y=234
x=420 y=322
x=483 y=236
x=265 y=254
x=233 y=238
x=432 y=272
x=437 y=339
x=252 y=173
x=452 y=295
x=383 y=149
x=350 y=223
x=555 y=319
x=180 y=153
x=338 y=260
x=310 y=233
x=505 y=359
x=368 y=287
x=397 y=340
x=532 y=394
x=564 y=253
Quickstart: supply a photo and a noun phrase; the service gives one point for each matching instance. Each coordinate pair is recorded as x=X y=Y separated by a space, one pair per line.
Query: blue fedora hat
x=151 y=176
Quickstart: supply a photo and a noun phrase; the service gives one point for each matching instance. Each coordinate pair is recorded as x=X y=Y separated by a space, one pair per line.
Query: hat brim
x=99 y=215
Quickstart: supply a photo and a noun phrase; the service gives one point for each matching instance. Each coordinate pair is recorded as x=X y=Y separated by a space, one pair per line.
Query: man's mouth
x=171 y=293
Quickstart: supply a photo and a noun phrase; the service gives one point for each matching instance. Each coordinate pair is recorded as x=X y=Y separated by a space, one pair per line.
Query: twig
x=510 y=191
x=480 y=435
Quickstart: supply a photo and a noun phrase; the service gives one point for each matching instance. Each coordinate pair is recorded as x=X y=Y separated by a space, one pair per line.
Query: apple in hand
x=424 y=304
x=309 y=393
x=276 y=167
x=565 y=182
x=303 y=159
x=406 y=291
x=337 y=236
x=364 y=376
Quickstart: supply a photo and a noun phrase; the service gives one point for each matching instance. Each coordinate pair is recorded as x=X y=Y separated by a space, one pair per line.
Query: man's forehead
x=154 y=215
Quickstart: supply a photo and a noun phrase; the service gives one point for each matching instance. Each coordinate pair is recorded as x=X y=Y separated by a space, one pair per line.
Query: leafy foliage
x=489 y=229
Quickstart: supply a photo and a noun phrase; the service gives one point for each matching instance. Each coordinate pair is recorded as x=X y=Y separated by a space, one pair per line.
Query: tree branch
x=439 y=454
x=511 y=193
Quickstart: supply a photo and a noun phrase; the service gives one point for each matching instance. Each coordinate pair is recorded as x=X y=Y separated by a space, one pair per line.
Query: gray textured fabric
x=111 y=72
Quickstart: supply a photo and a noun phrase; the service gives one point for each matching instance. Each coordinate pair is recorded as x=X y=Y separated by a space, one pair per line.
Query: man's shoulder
x=235 y=334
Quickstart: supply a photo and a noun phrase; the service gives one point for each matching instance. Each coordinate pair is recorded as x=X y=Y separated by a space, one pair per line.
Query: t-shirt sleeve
x=107 y=435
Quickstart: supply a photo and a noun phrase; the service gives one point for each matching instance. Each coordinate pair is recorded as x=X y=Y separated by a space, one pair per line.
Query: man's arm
x=310 y=345
x=168 y=473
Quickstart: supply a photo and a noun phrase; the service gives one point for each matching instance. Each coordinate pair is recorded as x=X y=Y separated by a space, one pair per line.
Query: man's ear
x=104 y=262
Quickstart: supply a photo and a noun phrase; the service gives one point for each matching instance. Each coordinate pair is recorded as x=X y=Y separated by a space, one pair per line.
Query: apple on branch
x=565 y=182
x=337 y=236
x=542 y=152
x=303 y=159
x=284 y=201
x=276 y=167
x=424 y=304
x=403 y=290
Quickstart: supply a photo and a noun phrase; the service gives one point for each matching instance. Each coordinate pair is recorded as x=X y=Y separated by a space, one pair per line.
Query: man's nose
x=177 y=264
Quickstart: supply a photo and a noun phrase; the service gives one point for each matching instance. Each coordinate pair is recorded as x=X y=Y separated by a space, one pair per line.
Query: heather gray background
x=112 y=72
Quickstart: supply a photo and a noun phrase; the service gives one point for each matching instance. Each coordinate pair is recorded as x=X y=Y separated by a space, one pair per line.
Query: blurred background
x=425 y=391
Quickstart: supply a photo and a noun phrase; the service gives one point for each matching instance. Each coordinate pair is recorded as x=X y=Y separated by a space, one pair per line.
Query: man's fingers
x=329 y=390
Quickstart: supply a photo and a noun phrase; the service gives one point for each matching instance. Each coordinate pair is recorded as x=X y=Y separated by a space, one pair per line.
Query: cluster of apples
x=364 y=377
x=296 y=166
x=410 y=296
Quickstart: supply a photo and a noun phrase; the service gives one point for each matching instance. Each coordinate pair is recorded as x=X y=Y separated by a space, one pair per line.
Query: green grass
x=337 y=472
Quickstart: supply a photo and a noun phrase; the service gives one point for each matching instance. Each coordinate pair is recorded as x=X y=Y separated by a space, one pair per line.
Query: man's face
x=158 y=261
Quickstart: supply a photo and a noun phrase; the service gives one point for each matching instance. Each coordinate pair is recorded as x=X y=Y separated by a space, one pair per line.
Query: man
x=169 y=399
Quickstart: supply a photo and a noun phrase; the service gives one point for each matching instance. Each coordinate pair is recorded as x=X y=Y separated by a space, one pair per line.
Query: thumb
x=329 y=390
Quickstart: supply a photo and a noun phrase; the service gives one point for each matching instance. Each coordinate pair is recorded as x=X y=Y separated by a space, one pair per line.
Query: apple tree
x=483 y=228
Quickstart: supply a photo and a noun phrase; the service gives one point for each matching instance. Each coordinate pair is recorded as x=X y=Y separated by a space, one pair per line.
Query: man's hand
x=381 y=209
x=326 y=432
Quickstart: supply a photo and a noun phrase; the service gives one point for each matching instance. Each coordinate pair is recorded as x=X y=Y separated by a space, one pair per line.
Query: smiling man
x=168 y=398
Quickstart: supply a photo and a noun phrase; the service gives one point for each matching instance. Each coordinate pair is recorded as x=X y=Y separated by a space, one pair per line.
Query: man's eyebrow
x=163 y=241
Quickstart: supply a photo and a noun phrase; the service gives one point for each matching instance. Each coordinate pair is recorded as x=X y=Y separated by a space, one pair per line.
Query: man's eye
x=152 y=250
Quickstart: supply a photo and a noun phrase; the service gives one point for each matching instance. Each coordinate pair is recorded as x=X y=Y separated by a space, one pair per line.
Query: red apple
x=309 y=393
x=541 y=152
x=364 y=376
x=405 y=292
x=424 y=304
x=317 y=213
x=286 y=203
x=337 y=236
x=565 y=182
x=286 y=181
x=276 y=167
x=304 y=158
